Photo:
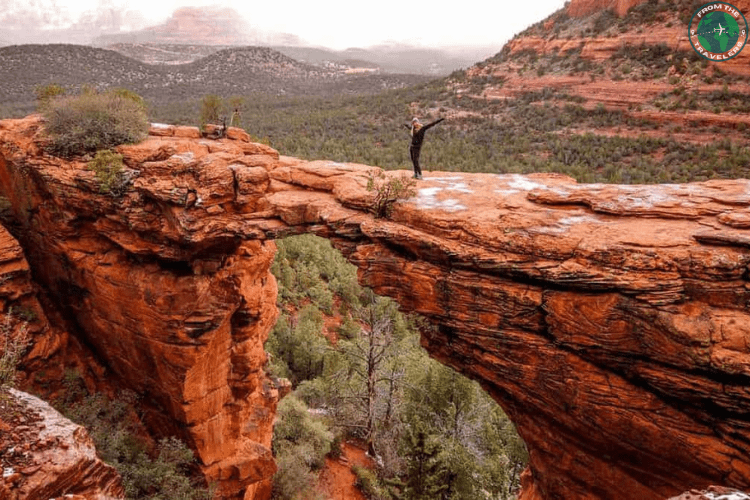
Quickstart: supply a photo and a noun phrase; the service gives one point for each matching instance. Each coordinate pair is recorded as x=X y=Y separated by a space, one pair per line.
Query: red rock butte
x=609 y=321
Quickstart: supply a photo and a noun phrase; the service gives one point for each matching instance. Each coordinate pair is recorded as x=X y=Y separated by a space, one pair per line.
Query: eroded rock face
x=21 y=314
x=49 y=456
x=610 y=322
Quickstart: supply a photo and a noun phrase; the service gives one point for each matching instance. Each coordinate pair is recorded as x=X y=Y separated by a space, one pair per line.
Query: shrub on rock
x=92 y=121
x=108 y=167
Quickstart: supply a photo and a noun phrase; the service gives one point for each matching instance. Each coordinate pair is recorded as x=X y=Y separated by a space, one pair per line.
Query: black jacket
x=417 y=136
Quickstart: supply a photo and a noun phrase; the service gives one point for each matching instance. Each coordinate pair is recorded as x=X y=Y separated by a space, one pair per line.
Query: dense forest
x=360 y=374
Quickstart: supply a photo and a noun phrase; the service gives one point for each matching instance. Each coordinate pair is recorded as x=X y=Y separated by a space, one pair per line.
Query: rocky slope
x=610 y=322
x=580 y=8
x=45 y=455
x=628 y=56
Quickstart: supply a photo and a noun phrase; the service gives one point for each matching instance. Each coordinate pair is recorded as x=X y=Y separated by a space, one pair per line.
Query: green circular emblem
x=718 y=31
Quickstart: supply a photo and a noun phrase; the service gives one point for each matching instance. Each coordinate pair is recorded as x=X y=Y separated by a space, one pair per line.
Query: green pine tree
x=427 y=465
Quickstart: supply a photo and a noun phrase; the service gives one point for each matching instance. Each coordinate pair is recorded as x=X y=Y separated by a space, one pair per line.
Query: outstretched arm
x=407 y=126
x=433 y=123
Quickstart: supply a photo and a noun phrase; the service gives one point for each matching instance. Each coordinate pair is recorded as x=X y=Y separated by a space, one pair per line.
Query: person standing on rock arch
x=417 y=136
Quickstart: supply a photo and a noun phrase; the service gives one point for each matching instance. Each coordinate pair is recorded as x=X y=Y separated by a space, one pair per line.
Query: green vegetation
x=538 y=131
x=435 y=434
x=107 y=165
x=647 y=13
x=45 y=93
x=649 y=62
x=683 y=97
x=211 y=109
x=214 y=108
x=14 y=339
x=300 y=445
x=91 y=121
x=389 y=190
x=370 y=484
x=153 y=471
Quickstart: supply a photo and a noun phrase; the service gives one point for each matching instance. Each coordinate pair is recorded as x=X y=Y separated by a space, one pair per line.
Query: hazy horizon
x=332 y=24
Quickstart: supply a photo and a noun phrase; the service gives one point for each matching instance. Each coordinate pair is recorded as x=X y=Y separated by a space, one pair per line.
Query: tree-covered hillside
x=232 y=71
x=359 y=373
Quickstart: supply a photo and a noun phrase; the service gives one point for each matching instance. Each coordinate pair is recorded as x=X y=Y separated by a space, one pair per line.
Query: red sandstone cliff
x=202 y=25
x=217 y=25
x=610 y=322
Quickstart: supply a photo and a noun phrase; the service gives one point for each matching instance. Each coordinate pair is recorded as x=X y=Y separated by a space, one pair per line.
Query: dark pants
x=414 y=154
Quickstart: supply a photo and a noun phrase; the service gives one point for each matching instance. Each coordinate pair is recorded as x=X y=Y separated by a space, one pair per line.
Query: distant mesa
x=192 y=33
x=218 y=28
x=202 y=25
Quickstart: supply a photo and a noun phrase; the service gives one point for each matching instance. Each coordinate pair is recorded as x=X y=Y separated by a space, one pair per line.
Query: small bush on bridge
x=388 y=191
x=107 y=165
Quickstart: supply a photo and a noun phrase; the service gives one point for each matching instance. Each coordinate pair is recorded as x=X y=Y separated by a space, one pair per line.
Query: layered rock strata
x=610 y=322
x=22 y=317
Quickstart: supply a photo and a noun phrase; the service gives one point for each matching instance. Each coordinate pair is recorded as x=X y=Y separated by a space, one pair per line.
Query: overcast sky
x=332 y=23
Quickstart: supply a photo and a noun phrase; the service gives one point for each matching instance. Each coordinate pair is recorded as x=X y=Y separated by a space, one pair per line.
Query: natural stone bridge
x=610 y=322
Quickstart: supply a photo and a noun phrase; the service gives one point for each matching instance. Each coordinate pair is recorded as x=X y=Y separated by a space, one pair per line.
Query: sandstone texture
x=45 y=455
x=27 y=313
x=21 y=314
x=609 y=321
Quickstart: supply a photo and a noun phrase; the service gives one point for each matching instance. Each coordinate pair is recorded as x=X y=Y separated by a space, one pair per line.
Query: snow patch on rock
x=427 y=199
